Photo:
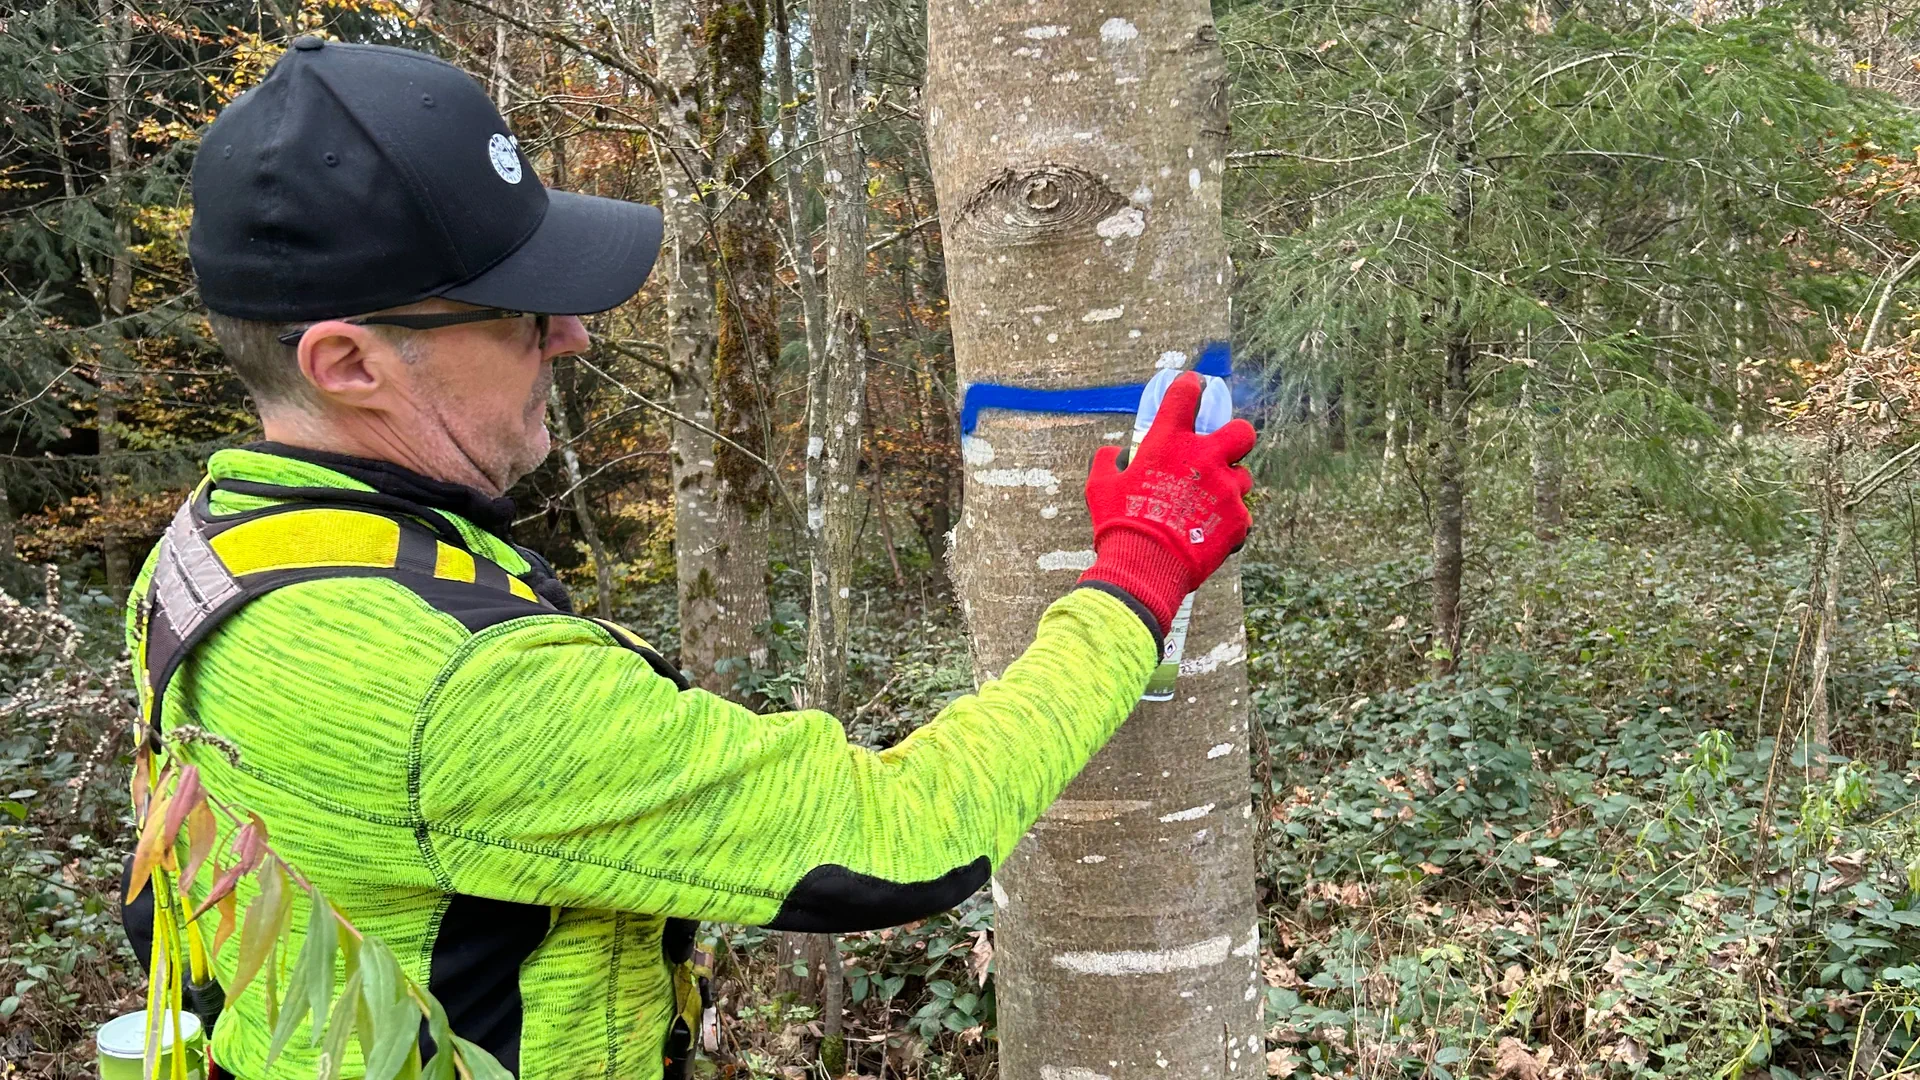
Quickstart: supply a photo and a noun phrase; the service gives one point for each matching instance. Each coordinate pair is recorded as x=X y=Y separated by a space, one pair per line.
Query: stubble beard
x=539 y=442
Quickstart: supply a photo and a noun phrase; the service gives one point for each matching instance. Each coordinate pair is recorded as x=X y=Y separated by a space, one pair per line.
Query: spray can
x=1216 y=408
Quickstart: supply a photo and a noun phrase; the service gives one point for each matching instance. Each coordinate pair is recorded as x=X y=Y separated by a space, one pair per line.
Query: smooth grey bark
x=933 y=516
x=558 y=403
x=836 y=384
x=1836 y=520
x=1077 y=152
x=836 y=399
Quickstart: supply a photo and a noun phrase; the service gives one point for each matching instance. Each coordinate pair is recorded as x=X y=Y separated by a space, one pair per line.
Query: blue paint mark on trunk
x=1215 y=359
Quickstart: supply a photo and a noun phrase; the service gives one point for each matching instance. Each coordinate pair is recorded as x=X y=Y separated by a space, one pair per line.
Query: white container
x=1216 y=409
x=122 y=1042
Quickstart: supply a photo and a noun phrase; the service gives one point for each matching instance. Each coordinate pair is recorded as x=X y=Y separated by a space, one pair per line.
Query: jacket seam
x=621 y=865
x=370 y=816
x=426 y=829
x=611 y=1016
x=416 y=753
x=432 y=937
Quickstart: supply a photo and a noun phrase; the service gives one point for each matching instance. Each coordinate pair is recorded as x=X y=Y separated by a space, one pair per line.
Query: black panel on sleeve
x=832 y=899
x=1146 y=617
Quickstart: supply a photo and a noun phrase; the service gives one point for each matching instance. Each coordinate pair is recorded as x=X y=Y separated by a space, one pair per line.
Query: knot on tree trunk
x=1043 y=204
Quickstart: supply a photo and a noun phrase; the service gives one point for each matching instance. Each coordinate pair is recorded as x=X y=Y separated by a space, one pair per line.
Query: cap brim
x=588 y=254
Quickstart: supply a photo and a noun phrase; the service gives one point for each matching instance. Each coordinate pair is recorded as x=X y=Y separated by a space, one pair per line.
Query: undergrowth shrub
x=1603 y=846
x=65 y=705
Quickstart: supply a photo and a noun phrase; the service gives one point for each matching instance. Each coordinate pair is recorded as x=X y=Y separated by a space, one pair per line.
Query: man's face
x=486 y=386
x=465 y=402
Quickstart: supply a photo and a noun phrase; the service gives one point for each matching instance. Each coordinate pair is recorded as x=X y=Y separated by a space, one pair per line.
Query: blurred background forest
x=1584 y=607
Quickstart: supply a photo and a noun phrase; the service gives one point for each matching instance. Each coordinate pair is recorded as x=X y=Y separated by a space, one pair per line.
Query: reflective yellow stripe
x=625 y=634
x=453 y=564
x=519 y=588
x=298 y=539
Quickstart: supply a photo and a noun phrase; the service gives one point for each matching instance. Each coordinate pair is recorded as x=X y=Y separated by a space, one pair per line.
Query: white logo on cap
x=506 y=159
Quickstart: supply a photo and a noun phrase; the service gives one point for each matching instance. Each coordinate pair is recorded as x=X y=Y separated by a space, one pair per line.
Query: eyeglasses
x=435 y=321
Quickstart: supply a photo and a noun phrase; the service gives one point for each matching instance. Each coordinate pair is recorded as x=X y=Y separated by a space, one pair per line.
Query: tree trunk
x=559 y=404
x=836 y=384
x=836 y=403
x=1837 y=504
x=1449 y=508
x=13 y=575
x=1336 y=416
x=1741 y=316
x=1449 y=501
x=501 y=69
x=746 y=309
x=878 y=503
x=1077 y=154
x=833 y=1003
x=570 y=457
x=793 y=175
x=934 y=518
x=1836 y=529
x=1543 y=450
x=117 y=24
x=722 y=597
x=1544 y=457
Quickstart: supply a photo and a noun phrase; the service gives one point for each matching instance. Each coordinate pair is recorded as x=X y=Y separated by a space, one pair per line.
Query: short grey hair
x=270 y=370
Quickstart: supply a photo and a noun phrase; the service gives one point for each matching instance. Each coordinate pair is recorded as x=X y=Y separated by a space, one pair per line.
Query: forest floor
x=1600 y=848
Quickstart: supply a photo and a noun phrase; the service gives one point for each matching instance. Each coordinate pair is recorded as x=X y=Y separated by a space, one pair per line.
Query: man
x=527 y=805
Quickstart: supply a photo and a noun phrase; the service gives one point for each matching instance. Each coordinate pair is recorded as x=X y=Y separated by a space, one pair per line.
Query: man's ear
x=345 y=363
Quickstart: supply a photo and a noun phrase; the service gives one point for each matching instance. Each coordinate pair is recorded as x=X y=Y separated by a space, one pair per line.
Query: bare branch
x=618 y=63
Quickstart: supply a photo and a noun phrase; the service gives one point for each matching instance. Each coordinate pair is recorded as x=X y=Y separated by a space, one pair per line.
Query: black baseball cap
x=362 y=177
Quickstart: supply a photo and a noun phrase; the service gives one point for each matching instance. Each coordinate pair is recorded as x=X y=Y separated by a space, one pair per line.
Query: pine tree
x=1457 y=202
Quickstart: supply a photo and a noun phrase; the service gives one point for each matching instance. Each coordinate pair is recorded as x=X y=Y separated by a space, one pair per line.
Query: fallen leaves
x=1278 y=972
x=1511 y=980
x=1512 y=1060
x=1629 y=1052
x=980 y=957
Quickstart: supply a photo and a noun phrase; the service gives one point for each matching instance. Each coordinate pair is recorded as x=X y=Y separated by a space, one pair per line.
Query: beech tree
x=1077 y=152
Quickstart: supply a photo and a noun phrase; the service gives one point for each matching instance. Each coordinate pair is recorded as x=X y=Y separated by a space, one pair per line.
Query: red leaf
x=251 y=845
x=186 y=796
x=222 y=889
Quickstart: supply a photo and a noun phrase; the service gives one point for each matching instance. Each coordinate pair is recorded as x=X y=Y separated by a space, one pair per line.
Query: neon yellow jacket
x=524 y=807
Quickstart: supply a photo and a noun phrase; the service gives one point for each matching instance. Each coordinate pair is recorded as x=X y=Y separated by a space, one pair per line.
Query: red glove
x=1166 y=522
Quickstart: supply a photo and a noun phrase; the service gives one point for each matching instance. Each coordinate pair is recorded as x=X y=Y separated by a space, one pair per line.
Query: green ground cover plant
x=1602 y=846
